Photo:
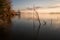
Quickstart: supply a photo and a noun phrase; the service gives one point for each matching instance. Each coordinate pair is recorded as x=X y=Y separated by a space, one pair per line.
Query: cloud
x=56 y=5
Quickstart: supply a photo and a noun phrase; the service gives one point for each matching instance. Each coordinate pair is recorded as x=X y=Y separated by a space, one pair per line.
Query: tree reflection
x=5 y=28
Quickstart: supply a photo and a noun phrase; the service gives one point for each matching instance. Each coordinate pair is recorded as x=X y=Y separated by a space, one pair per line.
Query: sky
x=21 y=4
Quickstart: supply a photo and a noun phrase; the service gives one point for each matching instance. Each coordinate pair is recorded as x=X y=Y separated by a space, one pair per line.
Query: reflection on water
x=49 y=28
x=21 y=28
x=42 y=16
x=5 y=28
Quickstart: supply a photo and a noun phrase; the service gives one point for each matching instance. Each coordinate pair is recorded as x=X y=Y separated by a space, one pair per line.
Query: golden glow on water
x=44 y=13
x=41 y=16
x=55 y=18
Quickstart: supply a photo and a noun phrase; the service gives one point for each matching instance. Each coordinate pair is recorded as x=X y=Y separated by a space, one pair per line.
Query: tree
x=5 y=7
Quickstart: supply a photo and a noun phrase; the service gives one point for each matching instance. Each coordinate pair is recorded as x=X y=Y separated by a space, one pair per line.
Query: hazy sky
x=21 y=4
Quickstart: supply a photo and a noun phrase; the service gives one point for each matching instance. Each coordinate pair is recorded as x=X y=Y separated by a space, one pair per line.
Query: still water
x=22 y=28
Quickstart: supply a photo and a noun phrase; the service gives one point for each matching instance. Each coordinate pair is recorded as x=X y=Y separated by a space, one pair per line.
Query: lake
x=27 y=27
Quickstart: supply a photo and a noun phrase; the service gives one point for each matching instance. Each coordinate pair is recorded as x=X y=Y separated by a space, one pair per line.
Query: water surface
x=21 y=28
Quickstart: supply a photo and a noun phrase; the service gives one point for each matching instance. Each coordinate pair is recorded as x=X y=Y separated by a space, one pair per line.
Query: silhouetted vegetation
x=5 y=18
x=5 y=7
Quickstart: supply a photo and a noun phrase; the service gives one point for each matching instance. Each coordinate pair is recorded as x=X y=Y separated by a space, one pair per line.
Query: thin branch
x=39 y=23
